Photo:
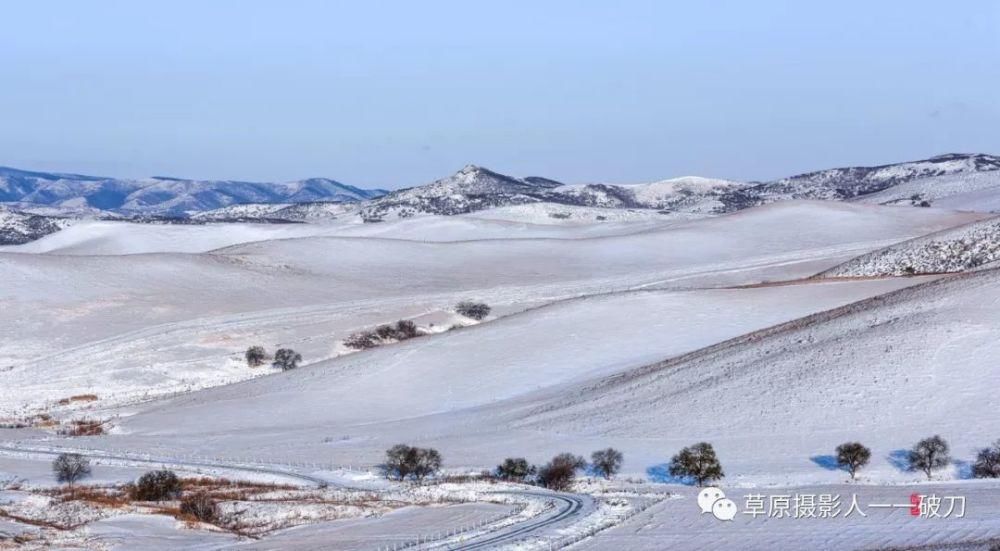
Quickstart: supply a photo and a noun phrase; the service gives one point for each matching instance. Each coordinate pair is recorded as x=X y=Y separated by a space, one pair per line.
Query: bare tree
x=425 y=462
x=256 y=355
x=852 y=456
x=474 y=310
x=987 y=463
x=397 y=464
x=402 y=461
x=515 y=469
x=69 y=468
x=559 y=473
x=698 y=462
x=606 y=462
x=929 y=455
x=286 y=358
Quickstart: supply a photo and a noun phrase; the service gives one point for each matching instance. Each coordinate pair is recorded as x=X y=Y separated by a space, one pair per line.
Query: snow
x=118 y=237
x=556 y=344
x=137 y=326
x=975 y=191
x=19 y=227
x=675 y=192
x=952 y=250
x=115 y=238
x=886 y=371
x=557 y=214
x=678 y=524
x=638 y=332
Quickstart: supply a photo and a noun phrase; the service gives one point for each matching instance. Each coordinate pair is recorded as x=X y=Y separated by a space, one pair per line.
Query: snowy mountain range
x=162 y=195
x=475 y=188
x=957 y=181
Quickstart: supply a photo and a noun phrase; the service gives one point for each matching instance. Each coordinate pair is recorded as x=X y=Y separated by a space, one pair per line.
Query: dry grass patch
x=84 y=427
x=105 y=496
x=78 y=398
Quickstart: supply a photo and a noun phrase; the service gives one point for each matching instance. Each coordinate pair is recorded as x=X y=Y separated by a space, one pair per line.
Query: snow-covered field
x=528 y=222
x=610 y=327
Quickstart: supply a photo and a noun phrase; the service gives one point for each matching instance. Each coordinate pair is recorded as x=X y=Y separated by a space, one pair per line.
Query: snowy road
x=571 y=506
x=567 y=507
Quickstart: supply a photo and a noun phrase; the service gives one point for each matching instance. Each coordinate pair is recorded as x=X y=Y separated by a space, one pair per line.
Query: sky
x=394 y=94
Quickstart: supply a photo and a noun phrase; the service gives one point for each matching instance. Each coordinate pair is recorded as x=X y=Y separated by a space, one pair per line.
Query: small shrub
x=515 y=469
x=987 y=463
x=156 y=486
x=697 y=462
x=607 y=462
x=383 y=334
x=256 y=356
x=200 y=506
x=286 y=358
x=852 y=456
x=473 y=310
x=929 y=454
x=559 y=473
x=362 y=340
x=406 y=329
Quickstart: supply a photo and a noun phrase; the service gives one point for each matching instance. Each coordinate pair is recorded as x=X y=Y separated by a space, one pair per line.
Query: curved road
x=572 y=504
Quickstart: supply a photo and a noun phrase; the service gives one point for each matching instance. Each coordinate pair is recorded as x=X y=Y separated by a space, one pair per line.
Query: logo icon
x=713 y=500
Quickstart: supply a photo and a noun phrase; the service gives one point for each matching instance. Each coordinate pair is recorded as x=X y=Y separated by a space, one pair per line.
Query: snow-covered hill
x=470 y=189
x=952 y=250
x=19 y=227
x=851 y=182
x=689 y=194
x=483 y=370
x=161 y=195
x=973 y=191
x=886 y=371
x=243 y=211
x=475 y=188
x=128 y=325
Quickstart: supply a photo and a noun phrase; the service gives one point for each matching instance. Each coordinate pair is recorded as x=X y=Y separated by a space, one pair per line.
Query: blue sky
x=393 y=94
